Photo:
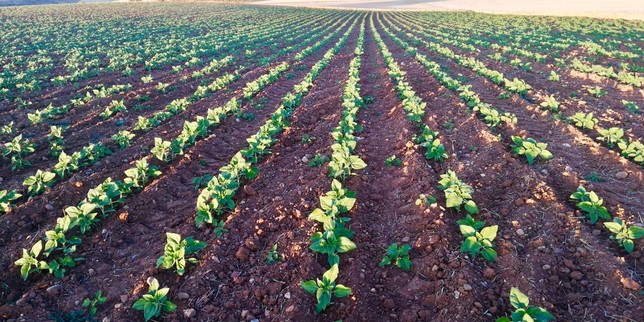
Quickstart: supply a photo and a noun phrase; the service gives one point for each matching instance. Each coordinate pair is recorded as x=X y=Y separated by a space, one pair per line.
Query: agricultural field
x=213 y=162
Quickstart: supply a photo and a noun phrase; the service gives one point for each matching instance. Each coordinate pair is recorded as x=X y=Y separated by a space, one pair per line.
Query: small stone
x=287 y=295
x=596 y=232
x=566 y=145
x=189 y=313
x=489 y=273
x=621 y=175
x=520 y=232
x=54 y=289
x=249 y=191
x=305 y=159
x=91 y=272
x=518 y=202
x=389 y=304
x=244 y=313
x=467 y=287
x=546 y=267
x=49 y=207
x=183 y=295
x=274 y=288
x=242 y=253
x=123 y=298
x=106 y=319
x=405 y=239
x=568 y=168
x=576 y=275
x=631 y=284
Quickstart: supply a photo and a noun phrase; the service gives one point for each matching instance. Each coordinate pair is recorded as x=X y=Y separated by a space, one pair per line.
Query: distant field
x=628 y=9
x=264 y=163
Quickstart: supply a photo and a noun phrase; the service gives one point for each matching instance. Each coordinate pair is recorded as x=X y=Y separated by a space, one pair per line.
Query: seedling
x=631 y=107
x=29 y=262
x=176 y=251
x=594 y=177
x=524 y=312
x=393 y=161
x=553 y=76
x=457 y=193
x=611 y=136
x=584 y=120
x=146 y=79
x=318 y=160
x=247 y=116
x=399 y=256
x=624 y=234
x=220 y=230
x=6 y=197
x=425 y=200
x=91 y=304
x=17 y=149
x=55 y=138
x=37 y=183
x=200 y=182
x=325 y=288
x=550 y=103
x=531 y=149
x=633 y=150
x=588 y=202
x=273 y=256
x=162 y=87
x=448 y=125
x=332 y=243
x=308 y=139
x=336 y=202
x=155 y=302
x=478 y=239
x=597 y=91
x=429 y=140
x=139 y=176
x=123 y=138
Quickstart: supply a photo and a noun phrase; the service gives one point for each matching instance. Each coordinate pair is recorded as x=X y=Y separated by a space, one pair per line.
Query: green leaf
x=636 y=232
x=489 y=232
x=345 y=245
x=169 y=307
x=613 y=227
x=540 y=314
x=404 y=263
x=546 y=155
x=309 y=286
x=470 y=245
x=453 y=200
x=341 y=291
x=331 y=274
x=518 y=299
x=471 y=207
x=139 y=304
x=628 y=245
x=150 y=310
x=489 y=254
x=467 y=230
x=324 y=298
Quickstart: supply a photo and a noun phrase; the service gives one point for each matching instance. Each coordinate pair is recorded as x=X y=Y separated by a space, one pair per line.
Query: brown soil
x=546 y=248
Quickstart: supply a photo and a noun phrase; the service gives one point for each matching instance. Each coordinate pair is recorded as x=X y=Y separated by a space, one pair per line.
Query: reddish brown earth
x=546 y=247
